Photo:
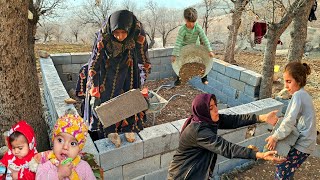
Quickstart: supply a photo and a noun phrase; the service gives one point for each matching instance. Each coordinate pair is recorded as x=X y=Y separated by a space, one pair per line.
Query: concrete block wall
x=69 y=64
x=232 y=85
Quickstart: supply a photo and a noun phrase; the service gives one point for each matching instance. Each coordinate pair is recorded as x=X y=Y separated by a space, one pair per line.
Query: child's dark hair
x=14 y=136
x=190 y=14
x=299 y=71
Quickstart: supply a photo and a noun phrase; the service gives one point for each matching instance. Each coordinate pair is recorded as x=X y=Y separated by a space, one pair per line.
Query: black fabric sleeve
x=227 y=121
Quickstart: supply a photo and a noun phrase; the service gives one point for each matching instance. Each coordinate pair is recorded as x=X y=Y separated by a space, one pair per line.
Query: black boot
x=177 y=82
x=205 y=80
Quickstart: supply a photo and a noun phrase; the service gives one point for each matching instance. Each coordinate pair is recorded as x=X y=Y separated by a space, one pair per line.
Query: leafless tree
x=129 y=5
x=90 y=13
x=46 y=29
x=167 y=23
x=209 y=5
x=275 y=29
x=150 y=20
x=58 y=32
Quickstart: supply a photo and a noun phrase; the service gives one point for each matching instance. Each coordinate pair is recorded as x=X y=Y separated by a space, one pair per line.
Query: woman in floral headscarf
x=119 y=63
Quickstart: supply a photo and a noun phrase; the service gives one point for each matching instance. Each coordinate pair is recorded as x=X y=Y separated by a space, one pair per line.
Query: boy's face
x=189 y=24
x=65 y=146
x=20 y=147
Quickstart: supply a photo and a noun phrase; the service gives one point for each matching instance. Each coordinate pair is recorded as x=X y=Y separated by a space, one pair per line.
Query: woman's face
x=214 y=111
x=120 y=34
x=290 y=83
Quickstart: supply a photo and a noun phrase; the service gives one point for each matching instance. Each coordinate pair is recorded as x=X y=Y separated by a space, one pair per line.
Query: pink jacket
x=48 y=171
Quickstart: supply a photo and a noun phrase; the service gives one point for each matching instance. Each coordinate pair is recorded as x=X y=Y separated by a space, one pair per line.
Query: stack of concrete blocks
x=232 y=85
x=161 y=67
x=54 y=94
x=68 y=66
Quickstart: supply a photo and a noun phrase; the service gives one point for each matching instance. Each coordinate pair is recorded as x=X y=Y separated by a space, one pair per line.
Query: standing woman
x=119 y=63
x=199 y=143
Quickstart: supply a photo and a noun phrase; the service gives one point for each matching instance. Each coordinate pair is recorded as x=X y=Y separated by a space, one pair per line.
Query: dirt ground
x=180 y=107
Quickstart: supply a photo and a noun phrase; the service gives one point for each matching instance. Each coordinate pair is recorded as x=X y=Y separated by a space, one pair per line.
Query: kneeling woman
x=199 y=143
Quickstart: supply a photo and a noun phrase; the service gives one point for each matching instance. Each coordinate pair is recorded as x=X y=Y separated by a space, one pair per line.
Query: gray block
x=226 y=111
x=178 y=124
x=212 y=74
x=252 y=91
x=80 y=58
x=58 y=68
x=155 y=61
x=228 y=165
x=156 y=68
x=63 y=58
x=234 y=71
x=154 y=76
x=251 y=77
x=262 y=128
x=110 y=156
x=121 y=107
x=223 y=79
x=233 y=102
x=167 y=134
x=239 y=85
x=221 y=97
x=166 y=159
x=219 y=66
x=260 y=141
x=160 y=52
x=169 y=51
x=89 y=147
x=244 y=98
x=246 y=109
x=71 y=68
x=166 y=60
x=150 y=53
x=229 y=91
x=157 y=175
x=113 y=174
x=235 y=135
x=268 y=105
x=215 y=84
x=165 y=74
x=197 y=83
x=141 y=167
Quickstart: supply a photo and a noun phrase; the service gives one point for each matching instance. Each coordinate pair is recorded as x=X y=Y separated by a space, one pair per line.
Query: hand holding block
x=121 y=107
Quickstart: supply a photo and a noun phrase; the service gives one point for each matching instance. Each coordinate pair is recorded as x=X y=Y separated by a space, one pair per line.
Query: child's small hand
x=14 y=174
x=271 y=143
x=211 y=54
x=173 y=59
x=65 y=170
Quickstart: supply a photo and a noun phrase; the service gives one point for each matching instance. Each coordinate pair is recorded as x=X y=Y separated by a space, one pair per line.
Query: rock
x=284 y=94
x=70 y=101
x=130 y=137
x=115 y=139
x=43 y=54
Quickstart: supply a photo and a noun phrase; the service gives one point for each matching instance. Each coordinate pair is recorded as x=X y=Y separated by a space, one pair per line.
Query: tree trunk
x=20 y=93
x=233 y=30
x=299 y=32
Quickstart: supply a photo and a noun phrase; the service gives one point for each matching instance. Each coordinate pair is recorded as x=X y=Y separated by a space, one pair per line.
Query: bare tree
x=167 y=23
x=90 y=13
x=151 y=19
x=58 y=32
x=239 y=7
x=20 y=95
x=46 y=29
x=273 y=34
x=299 y=32
x=129 y=5
x=209 y=5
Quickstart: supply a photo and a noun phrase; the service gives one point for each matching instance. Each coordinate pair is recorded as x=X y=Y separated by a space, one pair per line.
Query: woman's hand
x=270 y=118
x=270 y=156
x=271 y=143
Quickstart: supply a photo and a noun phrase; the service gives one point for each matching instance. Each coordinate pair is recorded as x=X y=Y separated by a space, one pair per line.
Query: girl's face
x=65 y=146
x=120 y=34
x=290 y=84
x=214 y=111
x=190 y=25
x=20 y=147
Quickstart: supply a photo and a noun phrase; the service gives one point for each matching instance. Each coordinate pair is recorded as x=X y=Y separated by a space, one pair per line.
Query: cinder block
x=229 y=91
x=243 y=98
x=150 y=53
x=169 y=51
x=196 y=82
x=166 y=159
x=209 y=89
x=260 y=141
x=159 y=52
x=262 y=128
x=178 y=124
x=63 y=58
x=234 y=71
x=154 y=76
x=110 y=155
x=212 y=74
x=156 y=68
x=236 y=135
x=141 y=167
x=80 y=58
x=113 y=174
x=247 y=109
x=89 y=147
x=155 y=61
x=268 y=105
x=70 y=85
x=219 y=66
x=223 y=79
x=250 y=77
x=215 y=84
x=166 y=60
x=226 y=111
x=247 y=142
x=165 y=74
x=228 y=165
x=285 y=104
x=157 y=175
x=252 y=91
x=71 y=68
x=233 y=102
x=239 y=85
x=167 y=134
x=221 y=97
x=59 y=68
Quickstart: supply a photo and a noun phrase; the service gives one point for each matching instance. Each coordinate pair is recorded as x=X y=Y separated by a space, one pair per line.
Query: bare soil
x=190 y=70
x=180 y=107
